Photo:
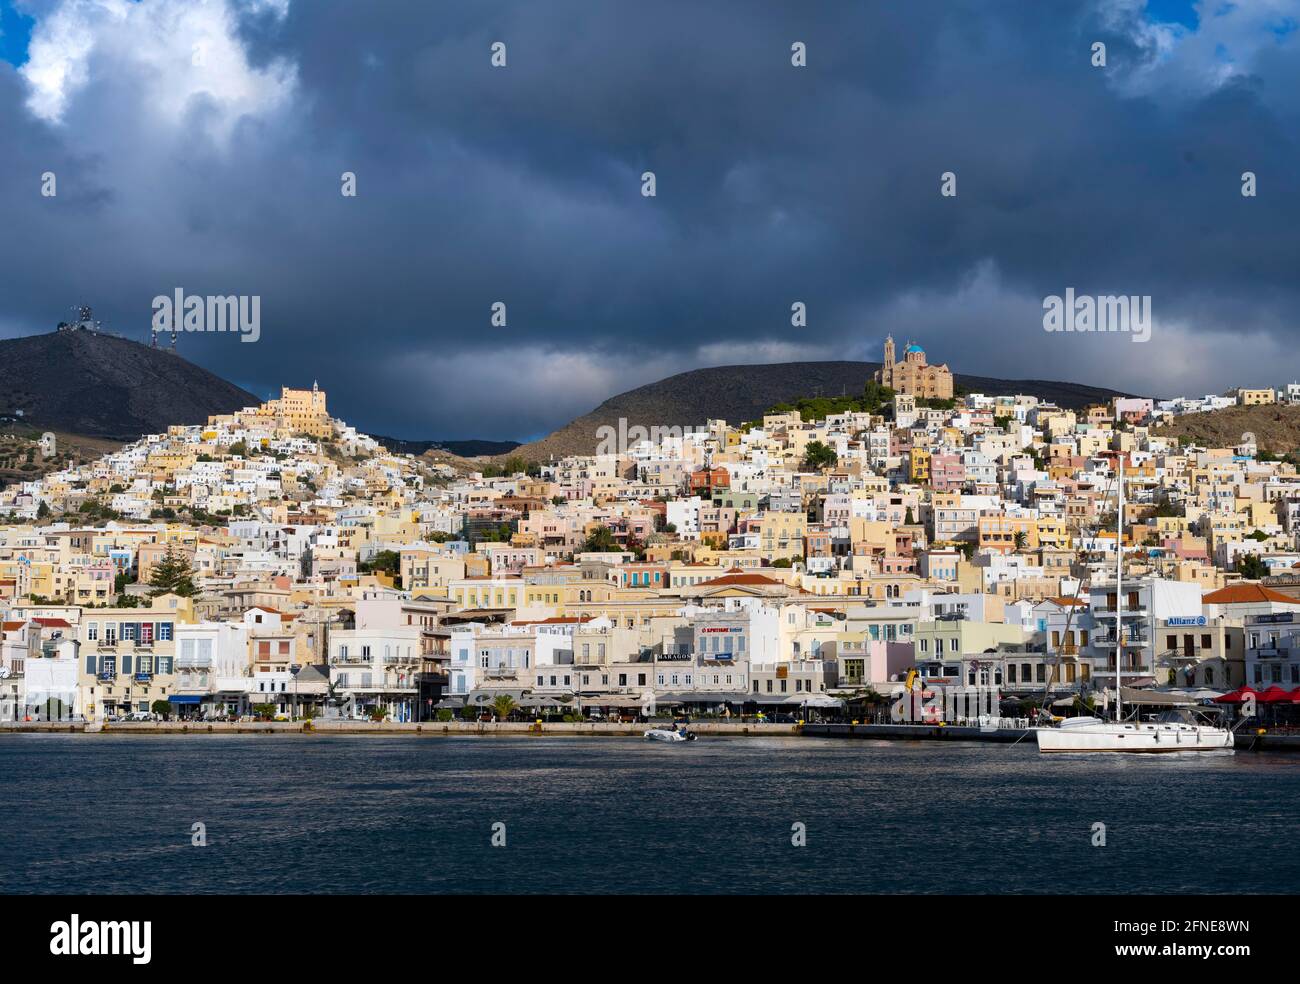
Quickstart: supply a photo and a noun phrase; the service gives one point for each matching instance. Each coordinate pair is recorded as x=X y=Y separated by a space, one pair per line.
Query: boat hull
x=1129 y=738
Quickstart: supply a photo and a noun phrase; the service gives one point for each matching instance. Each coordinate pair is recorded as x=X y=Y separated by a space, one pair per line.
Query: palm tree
x=503 y=705
x=1021 y=539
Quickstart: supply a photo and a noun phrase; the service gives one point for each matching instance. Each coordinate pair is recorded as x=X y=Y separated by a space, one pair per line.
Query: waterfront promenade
x=430 y=728
x=1246 y=740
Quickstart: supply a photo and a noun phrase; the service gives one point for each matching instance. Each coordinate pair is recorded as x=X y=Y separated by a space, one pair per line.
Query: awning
x=613 y=700
x=821 y=700
x=1238 y=696
x=1162 y=698
x=545 y=700
x=486 y=695
x=185 y=699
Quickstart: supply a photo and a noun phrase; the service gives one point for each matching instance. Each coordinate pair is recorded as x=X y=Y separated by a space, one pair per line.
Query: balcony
x=142 y=677
x=1275 y=652
x=501 y=672
x=107 y=675
x=1108 y=642
x=1108 y=611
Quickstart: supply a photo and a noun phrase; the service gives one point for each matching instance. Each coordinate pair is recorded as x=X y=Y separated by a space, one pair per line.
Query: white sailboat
x=1090 y=734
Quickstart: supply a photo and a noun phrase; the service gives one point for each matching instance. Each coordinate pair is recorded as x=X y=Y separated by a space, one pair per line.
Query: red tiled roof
x=556 y=620
x=736 y=576
x=1244 y=594
x=52 y=623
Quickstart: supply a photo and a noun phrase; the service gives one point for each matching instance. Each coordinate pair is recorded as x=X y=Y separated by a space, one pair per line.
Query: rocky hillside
x=1276 y=428
x=739 y=393
x=99 y=385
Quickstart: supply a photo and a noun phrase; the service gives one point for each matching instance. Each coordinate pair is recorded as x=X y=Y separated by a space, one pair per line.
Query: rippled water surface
x=406 y=814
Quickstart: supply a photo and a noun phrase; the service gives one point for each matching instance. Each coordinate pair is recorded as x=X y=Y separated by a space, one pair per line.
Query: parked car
x=139 y=716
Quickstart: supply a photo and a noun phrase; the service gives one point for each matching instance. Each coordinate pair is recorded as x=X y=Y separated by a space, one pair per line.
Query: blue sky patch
x=15 y=34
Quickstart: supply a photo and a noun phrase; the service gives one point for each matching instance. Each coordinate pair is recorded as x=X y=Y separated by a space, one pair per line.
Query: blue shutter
x=126 y=663
x=90 y=662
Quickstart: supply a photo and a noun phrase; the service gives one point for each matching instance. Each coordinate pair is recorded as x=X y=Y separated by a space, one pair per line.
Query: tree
x=601 y=541
x=172 y=575
x=517 y=464
x=43 y=510
x=1021 y=540
x=503 y=705
x=875 y=396
x=910 y=518
x=817 y=456
x=385 y=561
x=163 y=708
x=1251 y=567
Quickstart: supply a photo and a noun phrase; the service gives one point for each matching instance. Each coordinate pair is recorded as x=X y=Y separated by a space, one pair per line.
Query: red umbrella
x=1274 y=695
x=1295 y=696
x=1237 y=696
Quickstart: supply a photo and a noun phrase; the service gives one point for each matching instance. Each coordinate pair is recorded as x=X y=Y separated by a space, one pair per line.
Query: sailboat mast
x=1119 y=592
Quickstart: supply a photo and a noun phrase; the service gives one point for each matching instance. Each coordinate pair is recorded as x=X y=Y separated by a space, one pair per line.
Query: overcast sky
x=775 y=184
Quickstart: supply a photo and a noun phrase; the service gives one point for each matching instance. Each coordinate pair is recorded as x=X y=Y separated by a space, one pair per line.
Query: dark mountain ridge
x=740 y=393
x=100 y=385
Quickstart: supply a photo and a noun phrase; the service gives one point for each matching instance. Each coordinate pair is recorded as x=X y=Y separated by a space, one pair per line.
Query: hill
x=100 y=385
x=739 y=393
x=469 y=448
x=23 y=460
x=1276 y=428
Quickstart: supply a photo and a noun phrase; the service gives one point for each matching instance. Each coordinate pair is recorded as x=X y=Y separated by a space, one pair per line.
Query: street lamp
x=293 y=671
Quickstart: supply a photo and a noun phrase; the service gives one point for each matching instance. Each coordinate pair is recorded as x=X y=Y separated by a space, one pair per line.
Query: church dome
x=914 y=348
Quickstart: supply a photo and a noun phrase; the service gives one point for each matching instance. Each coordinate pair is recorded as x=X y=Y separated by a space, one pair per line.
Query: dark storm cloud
x=775 y=184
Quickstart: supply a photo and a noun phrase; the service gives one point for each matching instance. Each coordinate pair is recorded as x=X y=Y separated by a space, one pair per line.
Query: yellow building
x=1255 y=397
x=919 y=465
x=782 y=535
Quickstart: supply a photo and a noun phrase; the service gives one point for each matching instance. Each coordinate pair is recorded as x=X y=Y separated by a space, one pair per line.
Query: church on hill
x=914 y=376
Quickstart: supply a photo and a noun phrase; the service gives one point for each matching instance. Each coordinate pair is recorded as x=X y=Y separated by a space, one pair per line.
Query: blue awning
x=185 y=698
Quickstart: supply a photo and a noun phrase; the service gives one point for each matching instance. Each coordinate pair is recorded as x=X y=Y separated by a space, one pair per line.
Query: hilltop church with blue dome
x=914 y=376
